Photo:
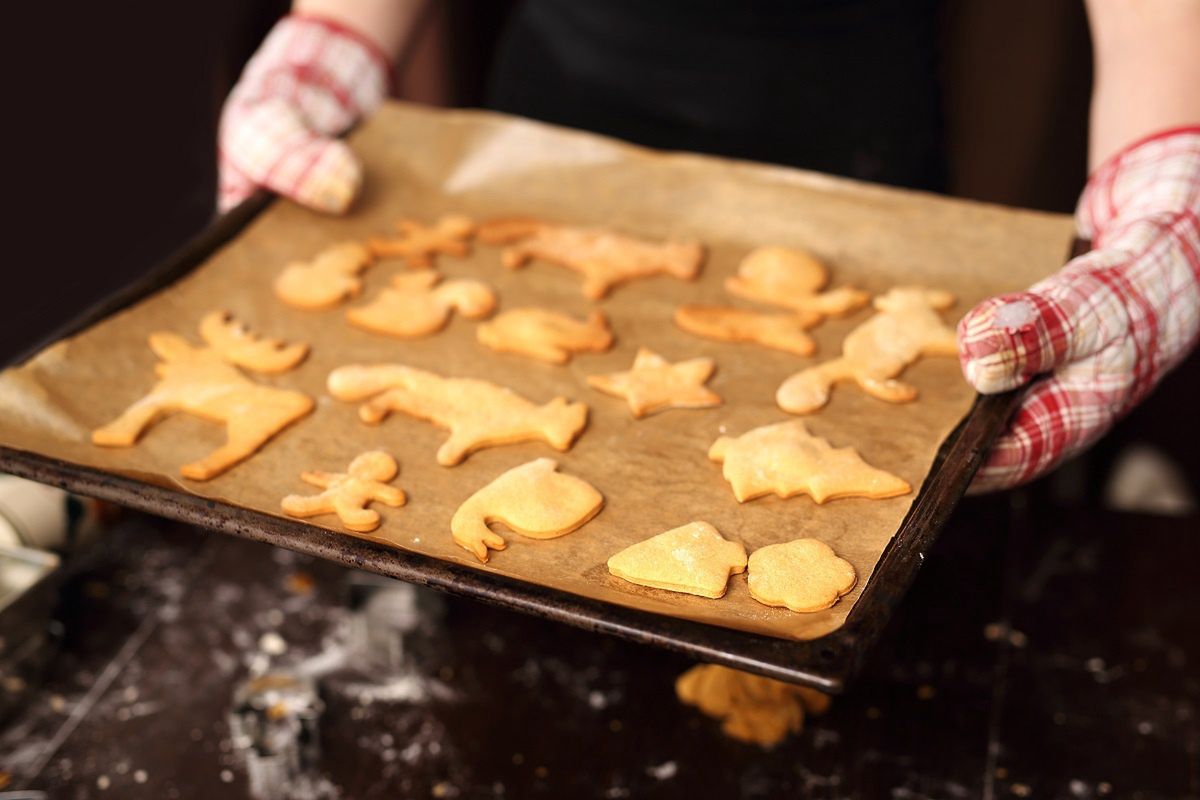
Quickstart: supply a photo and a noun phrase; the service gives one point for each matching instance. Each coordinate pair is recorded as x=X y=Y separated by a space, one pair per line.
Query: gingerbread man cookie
x=655 y=384
x=605 y=259
x=533 y=499
x=804 y=575
x=693 y=558
x=786 y=460
x=545 y=335
x=205 y=383
x=785 y=332
x=418 y=245
x=477 y=413
x=419 y=303
x=905 y=328
x=331 y=277
x=348 y=493
x=791 y=278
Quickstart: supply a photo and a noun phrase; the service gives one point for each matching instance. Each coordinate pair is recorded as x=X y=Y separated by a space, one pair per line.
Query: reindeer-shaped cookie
x=477 y=413
x=206 y=383
x=905 y=328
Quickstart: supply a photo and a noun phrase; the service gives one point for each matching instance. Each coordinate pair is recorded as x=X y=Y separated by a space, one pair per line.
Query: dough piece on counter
x=603 y=257
x=419 y=245
x=420 y=303
x=693 y=558
x=331 y=277
x=533 y=499
x=804 y=575
x=348 y=493
x=205 y=383
x=477 y=413
x=784 y=276
x=786 y=460
x=546 y=335
x=785 y=332
x=655 y=384
x=751 y=708
x=905 y=328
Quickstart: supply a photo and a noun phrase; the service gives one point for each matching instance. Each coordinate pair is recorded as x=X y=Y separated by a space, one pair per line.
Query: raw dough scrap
x=785 y=332
x=204 y=382
x=477 y=413
x=751 y=708
x=693 y=558
x=420 y=244
x=803 y=575
x=533 y=499
x=783 y=276
x=905 y=328
x=348 y=493
x=785 y=459
x=604 y=258
x=420 y=303
x=546 y=335
x=331 y=277
x=655 y=384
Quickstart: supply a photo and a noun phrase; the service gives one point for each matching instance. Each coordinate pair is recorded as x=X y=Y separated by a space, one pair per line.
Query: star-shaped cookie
x=655 y=384
x=785 y=459
x=693 y=558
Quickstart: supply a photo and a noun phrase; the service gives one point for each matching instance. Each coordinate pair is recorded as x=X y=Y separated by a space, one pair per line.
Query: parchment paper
x=654 y=472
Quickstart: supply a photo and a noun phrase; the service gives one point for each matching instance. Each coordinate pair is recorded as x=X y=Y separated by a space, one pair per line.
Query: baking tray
x=827 y=663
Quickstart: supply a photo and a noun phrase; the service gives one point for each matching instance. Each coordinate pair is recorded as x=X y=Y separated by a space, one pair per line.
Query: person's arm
x=322 y=68
x=1112 y=322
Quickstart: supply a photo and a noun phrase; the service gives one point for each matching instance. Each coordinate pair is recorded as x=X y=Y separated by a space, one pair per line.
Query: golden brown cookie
x=420 y=303
x=785 y=332
x=545 y=335
x=785 y=459
x=331 y=277
x=693 y=558
x=604 y=258
x=655 y=384
x=419 y=245
x=751 y=708
x=783 y=276
x=905 y=328
x=477 y=413
x=203 y=382
x=533 y=499
x=348 y=493
x=803 y=575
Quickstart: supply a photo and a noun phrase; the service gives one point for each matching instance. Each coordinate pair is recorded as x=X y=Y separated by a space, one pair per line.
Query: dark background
x=115 y=107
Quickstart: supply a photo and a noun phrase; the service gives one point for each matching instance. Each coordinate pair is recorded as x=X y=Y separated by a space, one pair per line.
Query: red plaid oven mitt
x=309 y=82
x=1109 y=325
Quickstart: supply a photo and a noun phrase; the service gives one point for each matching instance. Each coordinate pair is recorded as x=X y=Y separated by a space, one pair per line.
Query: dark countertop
x=1054 y=654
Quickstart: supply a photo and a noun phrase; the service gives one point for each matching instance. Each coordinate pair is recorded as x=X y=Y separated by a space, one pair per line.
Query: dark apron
x=842 y=86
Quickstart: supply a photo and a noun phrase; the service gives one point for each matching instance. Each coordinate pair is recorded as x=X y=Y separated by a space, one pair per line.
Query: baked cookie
x=803 y=575
x=331 y=277
x=419 y=245
x=655 y=384
x=785 y=332
x=786 y=460
x=783 y=276
x=205 y=383
x=348 y=493
x=545 y=335
x=533 y=499
x=420 y=303
x=604 y=258
x=477 y=413
x=751 y=708
x=693 y=558
x=905 y=328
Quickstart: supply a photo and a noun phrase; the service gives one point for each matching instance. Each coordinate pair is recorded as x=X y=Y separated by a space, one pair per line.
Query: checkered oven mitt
x=309 y=82
x=1109 y=325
